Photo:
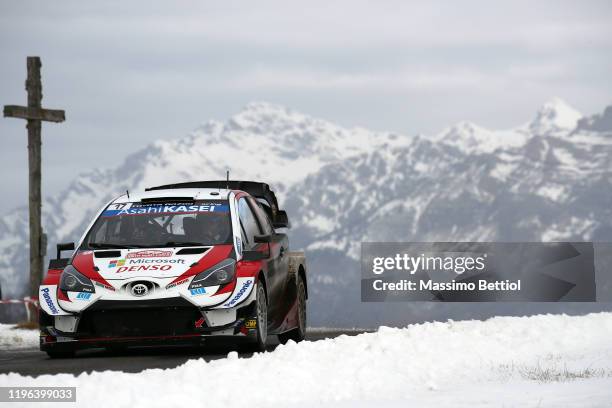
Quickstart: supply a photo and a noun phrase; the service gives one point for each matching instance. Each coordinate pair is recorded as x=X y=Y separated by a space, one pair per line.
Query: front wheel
x=299 y=333
x=262 y=318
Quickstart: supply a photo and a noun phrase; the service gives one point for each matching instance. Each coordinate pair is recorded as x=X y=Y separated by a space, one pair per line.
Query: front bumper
x=149 y=322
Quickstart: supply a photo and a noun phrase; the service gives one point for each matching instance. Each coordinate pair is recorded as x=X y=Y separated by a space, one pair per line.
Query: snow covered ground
x=540 y=361
x=11 y=338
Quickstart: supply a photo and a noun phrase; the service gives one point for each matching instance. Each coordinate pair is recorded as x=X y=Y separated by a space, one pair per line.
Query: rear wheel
x=299 y=333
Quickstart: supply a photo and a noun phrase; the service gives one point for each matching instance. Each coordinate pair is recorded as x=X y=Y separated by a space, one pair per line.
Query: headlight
x=73 y=281
x=220 y=274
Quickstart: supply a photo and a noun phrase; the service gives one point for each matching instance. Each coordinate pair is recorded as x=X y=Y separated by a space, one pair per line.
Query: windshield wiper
x=105 y=245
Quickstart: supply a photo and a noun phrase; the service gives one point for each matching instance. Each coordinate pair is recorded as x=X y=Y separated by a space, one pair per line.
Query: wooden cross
x=34 y=114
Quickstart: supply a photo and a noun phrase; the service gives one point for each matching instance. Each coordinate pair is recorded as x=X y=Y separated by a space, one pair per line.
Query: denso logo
x=243 y=289
x=49 y=301
x=144 y=268
x=149 y=254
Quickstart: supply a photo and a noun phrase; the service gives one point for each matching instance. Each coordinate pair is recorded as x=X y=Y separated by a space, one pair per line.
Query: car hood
x=119 y=264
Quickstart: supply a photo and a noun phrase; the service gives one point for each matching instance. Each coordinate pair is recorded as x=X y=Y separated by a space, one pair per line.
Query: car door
x=279 y=261
x=251 y=226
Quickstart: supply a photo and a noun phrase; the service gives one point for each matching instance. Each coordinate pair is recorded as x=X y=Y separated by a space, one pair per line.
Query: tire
x=261 y=303
x=299 y=333
x=60 y=354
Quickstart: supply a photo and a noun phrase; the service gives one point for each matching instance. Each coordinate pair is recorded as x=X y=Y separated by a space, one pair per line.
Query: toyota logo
x=140 y=289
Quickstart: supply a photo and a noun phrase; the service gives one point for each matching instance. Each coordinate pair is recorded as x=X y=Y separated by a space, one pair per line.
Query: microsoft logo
x=116 y=262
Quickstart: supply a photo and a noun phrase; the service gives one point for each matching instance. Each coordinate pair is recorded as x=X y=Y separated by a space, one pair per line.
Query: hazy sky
x=131 y=72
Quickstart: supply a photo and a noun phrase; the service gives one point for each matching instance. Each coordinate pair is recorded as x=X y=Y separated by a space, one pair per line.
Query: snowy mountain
x=457 y=186
x=467 y=183
x=554 y=118
x=552 y=186
x=546 y=180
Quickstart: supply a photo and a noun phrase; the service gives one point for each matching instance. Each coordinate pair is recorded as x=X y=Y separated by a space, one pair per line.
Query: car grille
x=137 y=322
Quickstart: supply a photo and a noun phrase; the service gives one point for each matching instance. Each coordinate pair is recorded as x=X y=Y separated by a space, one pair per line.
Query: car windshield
x=156 y=225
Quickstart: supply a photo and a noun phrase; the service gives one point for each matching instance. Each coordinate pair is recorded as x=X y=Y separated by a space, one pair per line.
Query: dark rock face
x=597 y=123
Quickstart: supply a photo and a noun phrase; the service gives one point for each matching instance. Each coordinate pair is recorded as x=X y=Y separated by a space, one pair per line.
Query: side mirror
x=281 y=220
x=263 y=239
x=68 y=246
x=253 y=256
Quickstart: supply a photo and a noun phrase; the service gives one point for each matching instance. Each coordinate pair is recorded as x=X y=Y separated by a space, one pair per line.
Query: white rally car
x=178 y=263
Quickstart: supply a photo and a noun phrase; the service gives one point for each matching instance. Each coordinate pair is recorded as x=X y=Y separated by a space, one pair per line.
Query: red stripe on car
x=83 y=262
x=211 y=258
x=53 y=277
x=248 y=269
x=229 y=288
x=62 y=296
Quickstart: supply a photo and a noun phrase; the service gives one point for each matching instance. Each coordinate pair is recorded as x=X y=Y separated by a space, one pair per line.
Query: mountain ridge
x=343 y=186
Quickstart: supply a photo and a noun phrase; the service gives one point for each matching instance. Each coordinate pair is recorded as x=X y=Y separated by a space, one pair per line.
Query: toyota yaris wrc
x=177 y=264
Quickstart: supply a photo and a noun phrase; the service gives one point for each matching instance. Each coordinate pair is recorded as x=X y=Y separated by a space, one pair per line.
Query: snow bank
x=11 y=338
x=544 y=361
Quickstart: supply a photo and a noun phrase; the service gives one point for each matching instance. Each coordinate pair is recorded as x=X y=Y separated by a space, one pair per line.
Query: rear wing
x=258 y=190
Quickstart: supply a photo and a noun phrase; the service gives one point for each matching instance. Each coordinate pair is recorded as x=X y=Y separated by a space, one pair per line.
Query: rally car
x=178 y=263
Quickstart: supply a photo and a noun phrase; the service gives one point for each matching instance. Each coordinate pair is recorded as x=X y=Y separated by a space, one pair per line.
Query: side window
x=248 y=223
x=263 y=218
x=108 y=231
x=100 y=234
